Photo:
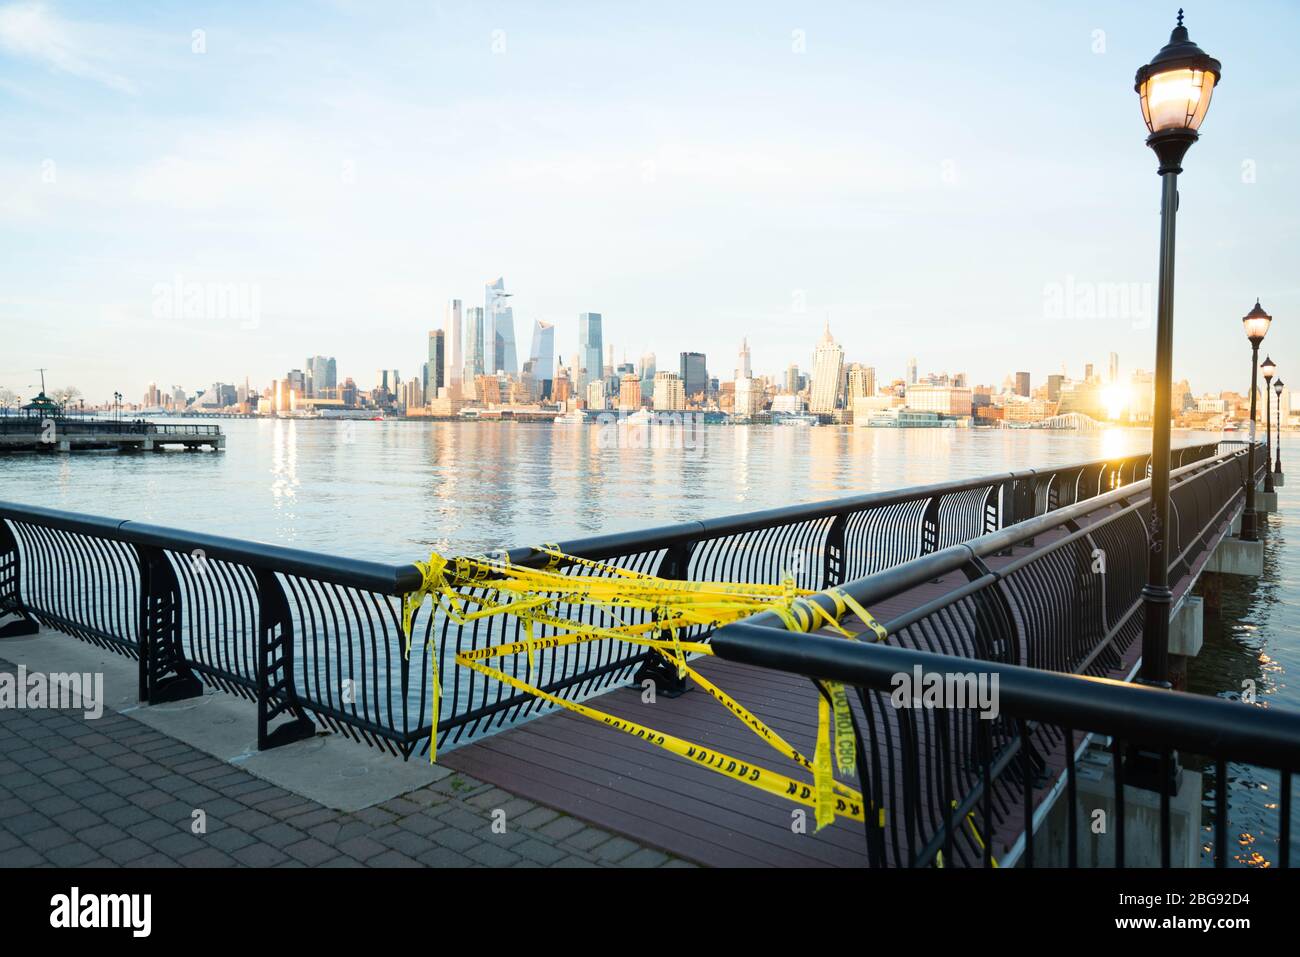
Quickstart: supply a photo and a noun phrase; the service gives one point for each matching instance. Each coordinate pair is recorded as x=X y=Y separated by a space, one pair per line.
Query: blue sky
x=928 y=176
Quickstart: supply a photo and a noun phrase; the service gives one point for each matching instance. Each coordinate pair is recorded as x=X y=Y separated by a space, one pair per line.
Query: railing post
x=996 y=633
x=11 y=602
x=991 y=517
x=930 y=526
x=1010 y=493
x=276 y=691
x=656 y=668
x=164 y=674
x=833 y=558
x=1010 y=499
x=1027 y=502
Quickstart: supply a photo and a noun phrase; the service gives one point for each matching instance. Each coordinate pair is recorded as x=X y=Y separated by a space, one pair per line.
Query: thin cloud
x=32 y=31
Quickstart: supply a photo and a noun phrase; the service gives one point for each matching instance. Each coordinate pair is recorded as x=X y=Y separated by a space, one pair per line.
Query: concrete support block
x=1095 y=815
x=64 y=445
x=1279 y=480
x=1265 y=502
x=147 y=445
x=1237 y=557
x=1187 y=627
x=1211 y=587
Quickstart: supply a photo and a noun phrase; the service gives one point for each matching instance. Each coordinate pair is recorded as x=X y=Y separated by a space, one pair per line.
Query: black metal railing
x=310 y=635
x=983 y=776
x=1072 y=605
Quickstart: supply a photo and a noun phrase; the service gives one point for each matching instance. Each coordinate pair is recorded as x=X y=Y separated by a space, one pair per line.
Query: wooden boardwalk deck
x=616 y=781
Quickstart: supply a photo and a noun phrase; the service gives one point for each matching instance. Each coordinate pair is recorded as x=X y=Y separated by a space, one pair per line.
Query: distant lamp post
x=1175 y=89
x=1267 y=368
x=1277 y=389
x=1256 y=323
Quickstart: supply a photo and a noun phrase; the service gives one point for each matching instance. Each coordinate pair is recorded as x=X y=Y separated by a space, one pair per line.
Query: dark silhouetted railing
x=1048 y=622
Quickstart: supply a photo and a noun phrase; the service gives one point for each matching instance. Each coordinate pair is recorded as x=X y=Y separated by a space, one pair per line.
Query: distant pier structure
x=44 y=426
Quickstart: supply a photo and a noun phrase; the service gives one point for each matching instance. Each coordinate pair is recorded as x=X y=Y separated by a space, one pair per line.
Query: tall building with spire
x=743 y=370
x=499 y=351
x=827 y=374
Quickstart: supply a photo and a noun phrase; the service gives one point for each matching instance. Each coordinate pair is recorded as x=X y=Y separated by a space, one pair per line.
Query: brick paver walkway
x=115 y=792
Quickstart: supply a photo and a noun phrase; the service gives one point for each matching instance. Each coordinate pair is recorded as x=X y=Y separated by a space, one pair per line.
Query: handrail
x=885 y=584
x=1268 y=737
x=372 y=576
x=1045 y=608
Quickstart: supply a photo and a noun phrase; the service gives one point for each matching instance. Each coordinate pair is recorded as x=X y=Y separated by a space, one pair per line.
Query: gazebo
x=43 y=406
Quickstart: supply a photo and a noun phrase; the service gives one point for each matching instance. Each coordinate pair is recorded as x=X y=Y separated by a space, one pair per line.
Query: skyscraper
x=648 y=375
x=320 y=376
x=472 y=342
x=861 y=383
x=436 y=365
x=749 y=398
x=1114 y=368
x=591 y=349
x=828 y=374
x=1022 y=383
x=629 y=393
x=499 y=330
x=455 y=354
x=911 y=370
x=742 y=362
x=694 y=374
x=542 y=355
x=668 y=393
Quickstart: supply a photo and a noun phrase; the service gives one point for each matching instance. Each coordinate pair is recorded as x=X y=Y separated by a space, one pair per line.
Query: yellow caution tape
x=970 y=822
x=735 y=768
x=468 y=589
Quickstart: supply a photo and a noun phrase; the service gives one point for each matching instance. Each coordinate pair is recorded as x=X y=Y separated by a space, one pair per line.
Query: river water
x=393 y=490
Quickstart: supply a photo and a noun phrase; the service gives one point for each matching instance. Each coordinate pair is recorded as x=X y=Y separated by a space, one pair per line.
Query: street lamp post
x=1256 y=323
x=1266 y=369
x=1175 y=90
x=1277 y=389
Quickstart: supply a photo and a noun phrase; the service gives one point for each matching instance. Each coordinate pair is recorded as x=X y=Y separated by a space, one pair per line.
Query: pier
x=1034 y=576
x=58 y=433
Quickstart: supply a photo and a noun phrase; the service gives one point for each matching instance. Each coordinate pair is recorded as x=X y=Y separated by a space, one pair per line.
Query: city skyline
x=339 y=213
x=544 y=359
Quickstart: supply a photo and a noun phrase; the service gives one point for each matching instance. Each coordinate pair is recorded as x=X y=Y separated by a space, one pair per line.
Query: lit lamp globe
x=1175 y=90
x=1256 y=323
x=1267 y=368
x=1277 y=390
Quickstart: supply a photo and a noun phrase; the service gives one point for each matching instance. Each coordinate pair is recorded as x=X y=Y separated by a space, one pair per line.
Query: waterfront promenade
x=116 y=792
x=1000 y=570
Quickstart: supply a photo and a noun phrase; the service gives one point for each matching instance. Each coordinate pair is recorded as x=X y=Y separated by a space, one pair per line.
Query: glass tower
x=542 y=355
x=499 y=346
x=590 y=348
